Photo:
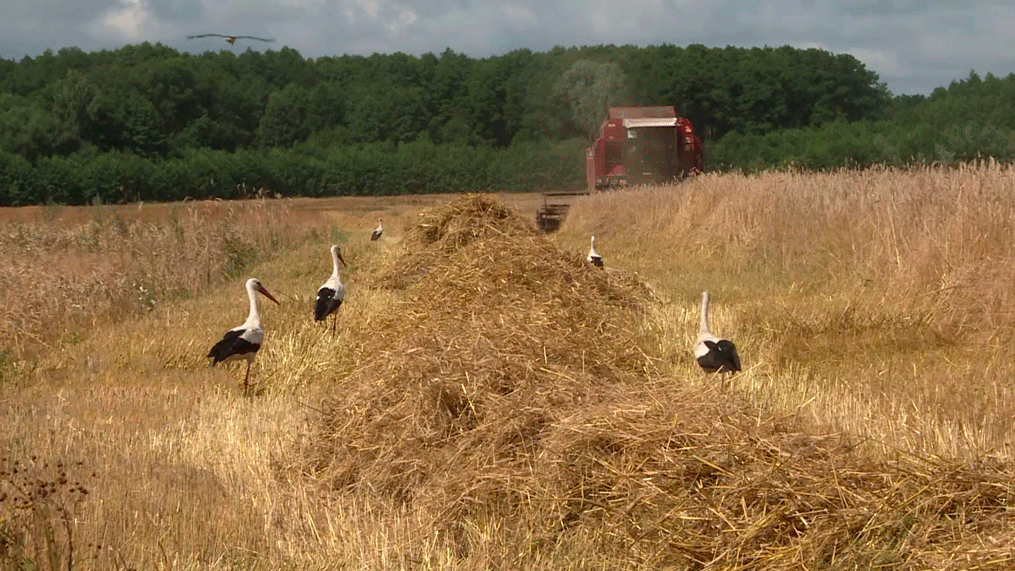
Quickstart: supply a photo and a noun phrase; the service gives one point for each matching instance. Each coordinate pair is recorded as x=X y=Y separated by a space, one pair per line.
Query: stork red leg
x=246 y=379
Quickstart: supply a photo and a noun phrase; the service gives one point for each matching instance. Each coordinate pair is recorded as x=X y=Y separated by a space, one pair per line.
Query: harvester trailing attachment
x=551 y=214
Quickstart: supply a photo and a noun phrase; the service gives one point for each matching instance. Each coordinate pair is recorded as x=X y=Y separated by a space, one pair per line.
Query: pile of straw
x=510 y=388
x=497 y=335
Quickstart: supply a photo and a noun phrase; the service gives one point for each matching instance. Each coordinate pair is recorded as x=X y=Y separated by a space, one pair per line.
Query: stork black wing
x=232 y=344
x=326 y=303
x=729 y=351
x=721 y=357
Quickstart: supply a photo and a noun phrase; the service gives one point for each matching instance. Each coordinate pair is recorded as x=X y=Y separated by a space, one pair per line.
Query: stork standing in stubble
x=331 y=294
x=594 y=258
x=244 y=341
x=377 y=231
x=714 y=354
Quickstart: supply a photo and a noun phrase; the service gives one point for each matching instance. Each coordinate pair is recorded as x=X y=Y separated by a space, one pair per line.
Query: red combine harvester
x=636 y=145
x=642 y=145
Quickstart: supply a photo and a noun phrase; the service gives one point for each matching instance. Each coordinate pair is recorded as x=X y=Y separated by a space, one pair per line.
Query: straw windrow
x=511 y=389
x=498 y=335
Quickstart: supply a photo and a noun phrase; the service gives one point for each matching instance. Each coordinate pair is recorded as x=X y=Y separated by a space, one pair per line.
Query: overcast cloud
x=913 y=45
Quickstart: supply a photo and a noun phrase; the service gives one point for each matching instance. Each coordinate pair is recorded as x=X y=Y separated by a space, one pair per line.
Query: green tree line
x=970 y=119
x=149 y=122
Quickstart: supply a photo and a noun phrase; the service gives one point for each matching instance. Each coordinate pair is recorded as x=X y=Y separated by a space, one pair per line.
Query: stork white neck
x=703 y=326
x=254 y=317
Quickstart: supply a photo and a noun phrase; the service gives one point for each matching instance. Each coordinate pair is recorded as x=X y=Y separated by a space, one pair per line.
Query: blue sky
x=913 y=45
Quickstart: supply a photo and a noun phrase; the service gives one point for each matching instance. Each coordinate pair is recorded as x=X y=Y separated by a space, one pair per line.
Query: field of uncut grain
x=491 y=401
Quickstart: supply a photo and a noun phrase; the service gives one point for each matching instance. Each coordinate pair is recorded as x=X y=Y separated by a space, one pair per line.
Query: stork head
x=255 y=284
x=336 y=252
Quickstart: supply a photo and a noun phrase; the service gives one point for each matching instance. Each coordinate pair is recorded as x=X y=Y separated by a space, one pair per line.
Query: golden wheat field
x=491 y=401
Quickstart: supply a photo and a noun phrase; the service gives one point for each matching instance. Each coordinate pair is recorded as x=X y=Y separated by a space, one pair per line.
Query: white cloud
x=518 y=16
x=884 y=62
x=369 y=7
x=403 y=20
x=131 y=21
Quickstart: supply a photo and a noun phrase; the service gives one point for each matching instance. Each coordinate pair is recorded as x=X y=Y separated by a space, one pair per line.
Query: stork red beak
x=267 y=294
x=341 y=259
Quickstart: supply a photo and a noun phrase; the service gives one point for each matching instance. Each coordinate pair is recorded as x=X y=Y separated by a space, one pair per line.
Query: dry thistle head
x=37 y=483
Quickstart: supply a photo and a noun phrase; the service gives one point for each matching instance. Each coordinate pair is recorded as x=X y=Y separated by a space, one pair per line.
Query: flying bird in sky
x=230 y=39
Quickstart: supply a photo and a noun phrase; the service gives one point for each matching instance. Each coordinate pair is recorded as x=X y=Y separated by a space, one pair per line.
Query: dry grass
x=61 y=269
x=491 y=401
x=876 y=303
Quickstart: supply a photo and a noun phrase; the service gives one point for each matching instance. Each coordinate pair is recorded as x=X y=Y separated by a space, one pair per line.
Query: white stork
x=244 y=341
x=331 y=294
x=377 y=231
x=594 y=258
x=715 y=355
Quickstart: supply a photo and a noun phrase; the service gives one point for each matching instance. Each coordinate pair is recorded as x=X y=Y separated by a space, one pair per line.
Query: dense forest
x=147 y=122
